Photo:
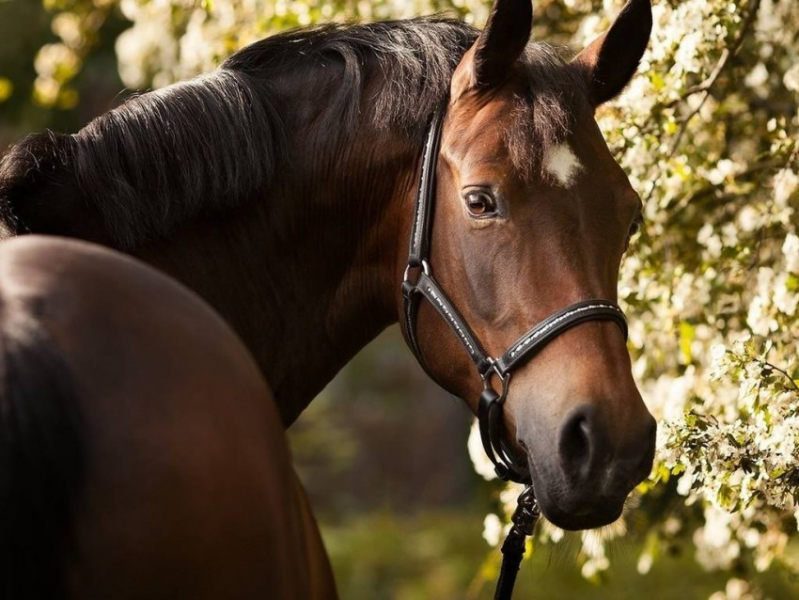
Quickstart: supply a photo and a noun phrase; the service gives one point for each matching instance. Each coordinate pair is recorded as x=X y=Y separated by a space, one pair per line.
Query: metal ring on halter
x=504 y=379
x=425 y=269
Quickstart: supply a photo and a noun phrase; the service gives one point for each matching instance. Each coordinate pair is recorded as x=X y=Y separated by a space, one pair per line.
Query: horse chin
x=573 y=509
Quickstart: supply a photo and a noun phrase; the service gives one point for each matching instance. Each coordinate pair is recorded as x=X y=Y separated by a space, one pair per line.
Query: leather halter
x=507 y=464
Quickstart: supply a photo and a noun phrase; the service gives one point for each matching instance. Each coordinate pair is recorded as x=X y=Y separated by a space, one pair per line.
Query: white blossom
x=785 y=182
x=790 y=250
x=482 y=465
x=791 y=78
x=493 y=529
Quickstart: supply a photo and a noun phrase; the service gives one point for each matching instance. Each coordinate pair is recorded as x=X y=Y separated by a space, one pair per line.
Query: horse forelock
x=545 y=110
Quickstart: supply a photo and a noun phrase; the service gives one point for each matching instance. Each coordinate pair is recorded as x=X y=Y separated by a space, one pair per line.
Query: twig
x=794 y=385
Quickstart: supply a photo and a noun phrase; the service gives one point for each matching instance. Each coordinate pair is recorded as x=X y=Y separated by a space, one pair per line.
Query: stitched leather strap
x=420 y=232
x=428 y=288
x=551 y=327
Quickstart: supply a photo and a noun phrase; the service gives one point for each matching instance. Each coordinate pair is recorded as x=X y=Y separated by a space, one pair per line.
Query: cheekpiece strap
x=420 y=231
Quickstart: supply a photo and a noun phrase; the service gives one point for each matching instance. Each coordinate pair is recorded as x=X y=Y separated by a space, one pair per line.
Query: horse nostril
x=574 y=444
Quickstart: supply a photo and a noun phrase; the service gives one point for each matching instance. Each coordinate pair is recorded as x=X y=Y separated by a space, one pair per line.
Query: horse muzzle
x=583 y=473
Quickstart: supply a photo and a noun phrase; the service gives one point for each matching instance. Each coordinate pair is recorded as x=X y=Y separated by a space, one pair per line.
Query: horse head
x=533 y=215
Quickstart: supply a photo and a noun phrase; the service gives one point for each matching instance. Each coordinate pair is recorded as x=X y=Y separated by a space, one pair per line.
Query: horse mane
x=413 y=58
x=164 y=157
x=213 y=143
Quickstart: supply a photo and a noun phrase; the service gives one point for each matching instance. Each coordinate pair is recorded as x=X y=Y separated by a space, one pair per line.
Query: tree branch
x=793 y=383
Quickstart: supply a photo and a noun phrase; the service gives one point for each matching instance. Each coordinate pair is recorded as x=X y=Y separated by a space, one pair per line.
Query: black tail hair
x=41 y=465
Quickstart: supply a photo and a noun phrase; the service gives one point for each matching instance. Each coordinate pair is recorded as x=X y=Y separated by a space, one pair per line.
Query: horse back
x=182 y=485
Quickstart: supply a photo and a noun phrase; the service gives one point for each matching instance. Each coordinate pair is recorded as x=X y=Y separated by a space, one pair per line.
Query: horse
x=141 y=452
x=281 y=189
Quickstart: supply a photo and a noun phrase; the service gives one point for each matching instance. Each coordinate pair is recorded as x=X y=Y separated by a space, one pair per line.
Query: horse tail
x=41 y=462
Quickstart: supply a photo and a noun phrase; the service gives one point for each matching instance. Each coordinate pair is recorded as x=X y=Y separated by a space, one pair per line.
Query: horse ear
x=489 y=61
x=611 y=60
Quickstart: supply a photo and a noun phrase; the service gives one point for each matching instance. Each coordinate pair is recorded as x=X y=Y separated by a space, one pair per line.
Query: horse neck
x=308 y=276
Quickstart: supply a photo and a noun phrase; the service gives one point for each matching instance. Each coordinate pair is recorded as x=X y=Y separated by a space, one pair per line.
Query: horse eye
x=480 y=204
x=636 y=226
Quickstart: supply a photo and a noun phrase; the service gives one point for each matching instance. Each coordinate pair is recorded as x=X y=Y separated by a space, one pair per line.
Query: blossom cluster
x=76 y=25
x=711 y=141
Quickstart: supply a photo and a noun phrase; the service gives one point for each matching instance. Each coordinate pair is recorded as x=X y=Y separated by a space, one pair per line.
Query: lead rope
x=524 y=520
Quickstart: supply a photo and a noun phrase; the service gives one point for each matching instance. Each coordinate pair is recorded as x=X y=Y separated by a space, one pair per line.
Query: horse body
x=280 y=189
x=171 y=475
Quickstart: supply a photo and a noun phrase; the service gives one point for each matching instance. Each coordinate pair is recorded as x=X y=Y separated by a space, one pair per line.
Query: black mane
x=414 y=59
x=217 y=141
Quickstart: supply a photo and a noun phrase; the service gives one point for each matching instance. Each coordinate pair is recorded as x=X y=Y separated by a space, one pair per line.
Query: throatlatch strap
x=411 y=301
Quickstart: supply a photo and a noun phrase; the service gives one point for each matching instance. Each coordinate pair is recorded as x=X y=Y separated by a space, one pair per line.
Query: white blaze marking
x=562 y=164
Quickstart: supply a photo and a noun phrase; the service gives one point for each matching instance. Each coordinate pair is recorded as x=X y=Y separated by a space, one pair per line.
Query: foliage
x=707 y=132
x=435 y=554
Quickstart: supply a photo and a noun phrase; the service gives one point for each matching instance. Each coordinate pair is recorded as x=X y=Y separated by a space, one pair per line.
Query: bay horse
x=281 y=188
x=141 y=453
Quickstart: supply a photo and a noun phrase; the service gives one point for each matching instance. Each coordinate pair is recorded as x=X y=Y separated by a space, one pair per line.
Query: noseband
x=508 y=465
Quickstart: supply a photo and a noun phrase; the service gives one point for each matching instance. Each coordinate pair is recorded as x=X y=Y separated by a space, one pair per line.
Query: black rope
x=524 y=519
